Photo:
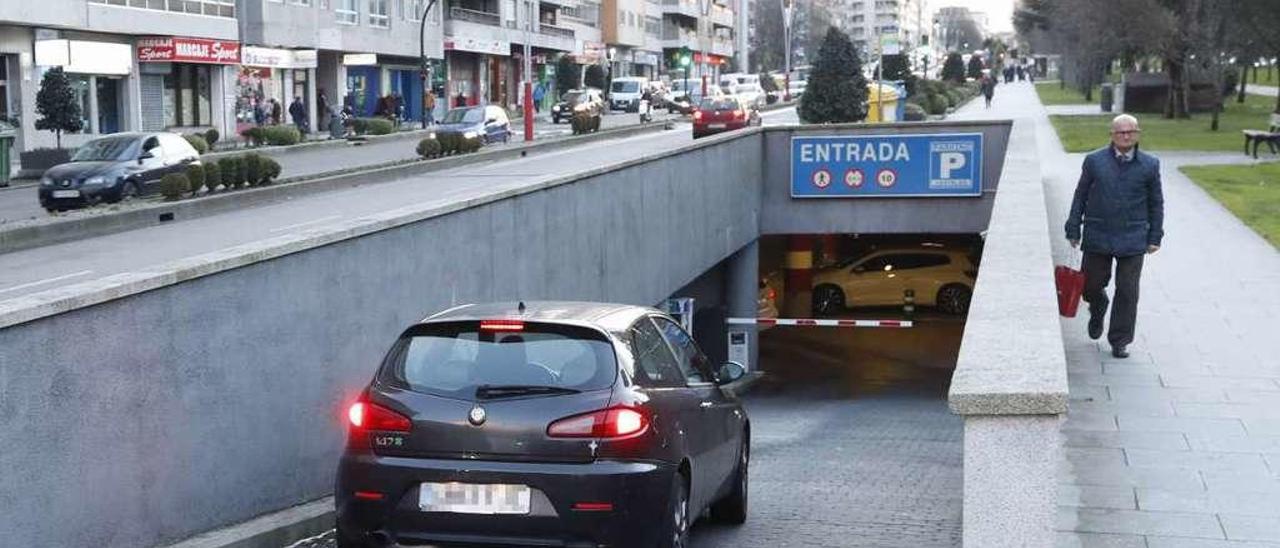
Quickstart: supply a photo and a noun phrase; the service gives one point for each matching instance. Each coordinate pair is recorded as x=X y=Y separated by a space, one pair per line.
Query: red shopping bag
x=1070 y=282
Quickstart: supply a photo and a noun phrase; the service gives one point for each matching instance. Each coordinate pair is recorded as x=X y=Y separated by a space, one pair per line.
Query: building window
x=378 y=14
x=348 y=12
x=300 y=2
x=215 y=8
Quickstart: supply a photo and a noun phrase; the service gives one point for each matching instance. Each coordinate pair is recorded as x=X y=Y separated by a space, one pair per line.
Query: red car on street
x=716 y=114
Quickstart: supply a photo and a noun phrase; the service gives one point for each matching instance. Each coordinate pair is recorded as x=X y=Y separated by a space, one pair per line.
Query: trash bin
x=6 y=144
x=882 y=103
x=1107 y=94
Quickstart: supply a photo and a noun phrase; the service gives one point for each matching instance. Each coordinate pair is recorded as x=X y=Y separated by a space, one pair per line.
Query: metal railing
x=552 y=30
x=473 y=16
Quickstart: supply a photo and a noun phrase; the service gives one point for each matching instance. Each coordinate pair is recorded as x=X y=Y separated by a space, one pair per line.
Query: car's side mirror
x=859 y=269
x=730 y=372
x=146 y=155
x=491 y=121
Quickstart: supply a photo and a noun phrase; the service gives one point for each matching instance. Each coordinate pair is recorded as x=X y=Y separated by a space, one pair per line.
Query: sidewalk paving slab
x=1207 y=475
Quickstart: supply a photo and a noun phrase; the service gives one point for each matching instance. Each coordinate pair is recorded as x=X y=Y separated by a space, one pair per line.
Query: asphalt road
x=20 y=201
x=34 y=270
x=852 y=444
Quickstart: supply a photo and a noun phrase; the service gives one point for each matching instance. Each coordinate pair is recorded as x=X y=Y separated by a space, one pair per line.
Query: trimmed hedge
x=197 y=142
x=212 y=174
x=374 y=126
x=584 y=123
x=252 y=168
x=195 y=175
x=173 y=186
x=212 y=136
x=913 y=113
x=430 y=148
x=281 y=135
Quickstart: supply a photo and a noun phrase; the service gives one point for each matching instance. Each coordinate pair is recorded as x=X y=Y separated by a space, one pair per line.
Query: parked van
x=624 y=93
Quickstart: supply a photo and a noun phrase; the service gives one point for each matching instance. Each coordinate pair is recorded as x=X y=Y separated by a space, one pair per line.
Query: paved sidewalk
x=1179 y=445
x=1259 y=89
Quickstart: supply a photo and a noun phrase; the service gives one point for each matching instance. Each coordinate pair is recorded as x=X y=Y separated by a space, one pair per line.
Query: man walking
x=298 y=112
x=1120 y=204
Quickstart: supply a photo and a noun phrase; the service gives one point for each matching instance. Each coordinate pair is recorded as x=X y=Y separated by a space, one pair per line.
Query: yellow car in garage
x=938 y=277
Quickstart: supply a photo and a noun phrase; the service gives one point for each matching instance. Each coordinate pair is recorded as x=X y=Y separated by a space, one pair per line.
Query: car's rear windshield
x=626 y=86
x=572 y=97
x=453 y=359
x=111 y=149
x=464 y=115
x=718 y=104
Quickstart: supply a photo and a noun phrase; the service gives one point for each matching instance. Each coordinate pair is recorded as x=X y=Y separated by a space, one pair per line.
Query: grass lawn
x=1265 y=77
x=1251 y=192
x=1052 y=93
x=1085 y=133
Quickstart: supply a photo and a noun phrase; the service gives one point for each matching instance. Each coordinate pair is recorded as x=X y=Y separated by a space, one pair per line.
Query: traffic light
x=685 y=56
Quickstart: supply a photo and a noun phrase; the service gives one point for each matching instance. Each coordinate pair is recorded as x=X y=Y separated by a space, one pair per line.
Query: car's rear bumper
x=638 y=492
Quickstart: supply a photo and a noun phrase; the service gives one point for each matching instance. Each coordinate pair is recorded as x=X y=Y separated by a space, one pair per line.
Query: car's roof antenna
x=520 y=308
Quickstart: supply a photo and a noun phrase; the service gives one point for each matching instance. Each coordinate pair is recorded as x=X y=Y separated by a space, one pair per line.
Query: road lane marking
x=46 y=281
x=300 y=225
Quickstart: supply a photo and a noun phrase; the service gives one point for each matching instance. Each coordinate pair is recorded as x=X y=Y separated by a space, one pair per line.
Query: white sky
x=999 y=12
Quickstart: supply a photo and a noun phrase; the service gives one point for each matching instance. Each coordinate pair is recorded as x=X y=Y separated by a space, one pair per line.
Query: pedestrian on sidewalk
x=275 y=111
x=988 y=88
x=298 y=112
x=429 y=107
x=1120 y=205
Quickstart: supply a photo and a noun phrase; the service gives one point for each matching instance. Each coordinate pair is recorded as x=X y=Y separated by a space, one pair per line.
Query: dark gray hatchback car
x=543 y=424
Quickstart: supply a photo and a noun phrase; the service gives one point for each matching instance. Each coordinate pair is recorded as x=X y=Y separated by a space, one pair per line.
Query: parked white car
x=624 y=93
x=797 y=88
x=751 y=95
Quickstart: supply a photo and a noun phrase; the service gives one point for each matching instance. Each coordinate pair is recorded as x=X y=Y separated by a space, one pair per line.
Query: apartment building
x=134 y=64
x=705 y=28
x=894 y=26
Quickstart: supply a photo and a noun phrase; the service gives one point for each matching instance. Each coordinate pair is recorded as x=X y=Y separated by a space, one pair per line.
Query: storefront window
x=80 y=85
x=187 y=93
x=108 y=115
x=255 y=85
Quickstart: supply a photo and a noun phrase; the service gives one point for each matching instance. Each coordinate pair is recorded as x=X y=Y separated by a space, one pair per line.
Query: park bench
x=1256 y=137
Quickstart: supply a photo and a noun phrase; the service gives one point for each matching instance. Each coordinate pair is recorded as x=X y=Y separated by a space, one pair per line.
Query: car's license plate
x=716 y=126
x=474 y=498
x=66 y=194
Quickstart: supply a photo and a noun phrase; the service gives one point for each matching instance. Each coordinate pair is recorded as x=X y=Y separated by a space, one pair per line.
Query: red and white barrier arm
x=812 y=322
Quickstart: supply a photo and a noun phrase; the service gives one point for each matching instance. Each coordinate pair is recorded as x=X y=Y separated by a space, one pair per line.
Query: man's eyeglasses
x=1127 y=132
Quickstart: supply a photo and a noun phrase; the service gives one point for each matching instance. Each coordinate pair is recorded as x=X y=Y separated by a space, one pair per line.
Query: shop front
x=364 y=83
x=267 y=74
x=477 y=71
x=645 y=64
x=184 y=83
x=98 y=72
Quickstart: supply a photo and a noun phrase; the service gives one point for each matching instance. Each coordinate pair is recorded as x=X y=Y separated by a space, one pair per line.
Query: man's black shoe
x=1095 y=325
x=1119 y=352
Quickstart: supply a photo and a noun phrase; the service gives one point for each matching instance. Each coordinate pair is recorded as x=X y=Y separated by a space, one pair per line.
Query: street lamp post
x=786 y=49
x=528 y=72
x=702 y=68
x=422 y=59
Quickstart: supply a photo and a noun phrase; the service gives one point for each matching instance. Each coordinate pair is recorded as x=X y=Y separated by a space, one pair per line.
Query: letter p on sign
x=950 y=161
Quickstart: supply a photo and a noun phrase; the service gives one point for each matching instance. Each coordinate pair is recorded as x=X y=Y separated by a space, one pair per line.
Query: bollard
x=909 y=303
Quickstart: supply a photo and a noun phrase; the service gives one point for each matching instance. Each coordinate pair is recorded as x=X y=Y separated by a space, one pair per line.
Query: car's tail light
x=501 y=325
x=772 y=294
x=739 y=114
x=697 y=115
x=371 y=416
x=616 y=422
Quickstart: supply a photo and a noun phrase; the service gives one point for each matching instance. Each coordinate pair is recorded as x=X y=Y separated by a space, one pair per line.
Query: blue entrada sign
x=886 y=166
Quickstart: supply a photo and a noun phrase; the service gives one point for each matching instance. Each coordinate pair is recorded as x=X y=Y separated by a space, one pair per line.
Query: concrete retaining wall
x=1010 y=382
x=214 y=391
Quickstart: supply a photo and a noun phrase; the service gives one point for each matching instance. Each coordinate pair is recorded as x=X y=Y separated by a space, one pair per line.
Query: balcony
x=679 y=38
x=722 y=17
x=687 y=8
x=723 y=48
x=552 y=30
x=473 y=16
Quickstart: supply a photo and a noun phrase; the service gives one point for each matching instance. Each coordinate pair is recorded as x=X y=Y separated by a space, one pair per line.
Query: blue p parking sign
x=886 y=166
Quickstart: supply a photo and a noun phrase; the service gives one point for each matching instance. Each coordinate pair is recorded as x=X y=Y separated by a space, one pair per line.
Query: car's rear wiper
x=491 y=391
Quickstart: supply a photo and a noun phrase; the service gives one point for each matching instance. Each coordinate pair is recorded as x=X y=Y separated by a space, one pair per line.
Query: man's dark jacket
x=1120 y=204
